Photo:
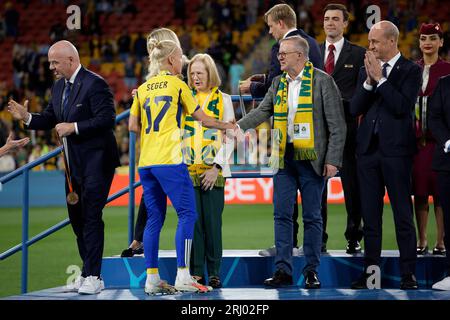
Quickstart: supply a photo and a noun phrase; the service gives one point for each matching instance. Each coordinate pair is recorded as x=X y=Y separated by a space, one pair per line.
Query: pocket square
x=79 y=105
x=348 y=66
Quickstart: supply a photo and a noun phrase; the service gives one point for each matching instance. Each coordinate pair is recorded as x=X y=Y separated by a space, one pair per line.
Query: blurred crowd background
x=112 y=42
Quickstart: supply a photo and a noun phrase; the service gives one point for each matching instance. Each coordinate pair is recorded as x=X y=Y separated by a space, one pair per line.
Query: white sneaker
x=444 y=284
x=92 y=285
x=191 y=285
x=159 y=288
x=272 y=251
x=269 y=252
x=75 y=285
x=297 y=251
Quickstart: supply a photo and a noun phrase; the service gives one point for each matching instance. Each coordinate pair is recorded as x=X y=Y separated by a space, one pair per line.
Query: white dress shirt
x=293 y=29
x=292 y=101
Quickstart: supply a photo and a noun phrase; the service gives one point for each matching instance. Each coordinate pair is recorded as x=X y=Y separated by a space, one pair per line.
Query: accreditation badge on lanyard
x=302 y=131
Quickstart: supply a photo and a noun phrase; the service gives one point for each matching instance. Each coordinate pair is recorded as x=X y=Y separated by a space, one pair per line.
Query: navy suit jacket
x=392 y=103
x=259 y=89
x=91 y=106
x=439 y=123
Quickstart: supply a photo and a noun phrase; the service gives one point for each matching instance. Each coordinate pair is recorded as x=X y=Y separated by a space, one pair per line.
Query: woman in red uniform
x=424 y=179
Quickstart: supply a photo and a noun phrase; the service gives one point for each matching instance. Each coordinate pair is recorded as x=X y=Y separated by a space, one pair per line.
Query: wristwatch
x=217 y=166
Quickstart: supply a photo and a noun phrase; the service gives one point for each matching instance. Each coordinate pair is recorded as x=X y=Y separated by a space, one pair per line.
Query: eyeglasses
x=283 y=54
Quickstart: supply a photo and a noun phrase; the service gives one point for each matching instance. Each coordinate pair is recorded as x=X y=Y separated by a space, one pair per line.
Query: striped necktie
x=66 y=95
x=329 y=64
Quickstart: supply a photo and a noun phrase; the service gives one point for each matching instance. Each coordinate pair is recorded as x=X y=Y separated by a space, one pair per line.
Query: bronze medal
x=72 y=198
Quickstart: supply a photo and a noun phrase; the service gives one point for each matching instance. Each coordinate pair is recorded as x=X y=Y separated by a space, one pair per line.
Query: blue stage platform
x=243 y=273
x=246 y=268
x=248 y=293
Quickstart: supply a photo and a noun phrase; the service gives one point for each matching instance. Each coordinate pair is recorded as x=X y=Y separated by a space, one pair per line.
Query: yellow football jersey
x=162 y=103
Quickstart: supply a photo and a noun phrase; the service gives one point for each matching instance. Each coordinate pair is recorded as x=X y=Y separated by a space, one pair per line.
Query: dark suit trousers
x=349 y=179
x=444 y=191
x=297 y=175
x=376 y=171
x=86 y=219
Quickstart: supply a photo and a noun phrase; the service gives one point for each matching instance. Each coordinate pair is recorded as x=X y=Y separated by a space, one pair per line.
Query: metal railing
x=24 y=170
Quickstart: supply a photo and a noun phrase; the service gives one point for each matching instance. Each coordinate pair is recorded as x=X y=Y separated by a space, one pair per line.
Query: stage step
x=245 y=268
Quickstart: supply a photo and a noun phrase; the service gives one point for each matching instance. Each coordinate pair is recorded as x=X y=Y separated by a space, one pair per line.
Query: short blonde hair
x=284 y=13
x=159 y=35
x=161 y=50
x=211 y=69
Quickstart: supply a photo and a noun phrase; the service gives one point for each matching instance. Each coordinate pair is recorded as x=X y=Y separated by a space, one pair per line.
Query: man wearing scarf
x=309 y=133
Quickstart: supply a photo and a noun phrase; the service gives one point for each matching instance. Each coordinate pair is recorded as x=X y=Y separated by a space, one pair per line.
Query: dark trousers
x=324 y=213
x=86 y=219
x=376 y=171
x=444 y=192
x=207 y=242
x=140 y=222
x=297 y=175
x=350 y=185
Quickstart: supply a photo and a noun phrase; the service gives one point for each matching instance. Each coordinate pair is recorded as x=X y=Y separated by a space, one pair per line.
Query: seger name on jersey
x=157 y=85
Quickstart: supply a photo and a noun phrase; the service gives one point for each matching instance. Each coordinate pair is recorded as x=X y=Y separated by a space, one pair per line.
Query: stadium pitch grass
x=244 y=227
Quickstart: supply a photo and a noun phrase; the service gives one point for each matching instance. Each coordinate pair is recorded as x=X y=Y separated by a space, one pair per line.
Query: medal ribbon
x=66 y=166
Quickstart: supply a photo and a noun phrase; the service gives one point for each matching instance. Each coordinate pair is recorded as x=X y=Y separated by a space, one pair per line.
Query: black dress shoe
x=408 y=282
x=439 y=251
x=361 y=282
x=280 y=279
x=311 y=280
x=422 y=250
x=129 y=252
x=215 y=282
x=353 y=247
x=323 y=249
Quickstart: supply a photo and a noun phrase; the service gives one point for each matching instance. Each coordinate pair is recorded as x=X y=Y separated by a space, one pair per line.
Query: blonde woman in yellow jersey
x=205 y=167
x=136 y=246
x=158 y=109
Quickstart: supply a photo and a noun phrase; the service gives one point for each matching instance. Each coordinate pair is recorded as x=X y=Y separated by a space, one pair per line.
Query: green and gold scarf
x=202 y=144
x=303 y=122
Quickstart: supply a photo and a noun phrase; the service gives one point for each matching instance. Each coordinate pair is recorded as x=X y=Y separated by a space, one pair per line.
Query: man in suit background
x=282 y=22
x=387 y=90
x=439 y=124
x=81 y=110
x=343 y=60
x=291 y=99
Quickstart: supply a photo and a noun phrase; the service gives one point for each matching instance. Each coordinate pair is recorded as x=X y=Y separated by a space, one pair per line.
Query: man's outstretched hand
x=18 y=111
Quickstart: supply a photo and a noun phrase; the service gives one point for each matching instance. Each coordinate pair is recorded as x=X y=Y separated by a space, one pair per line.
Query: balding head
x=383 y=40
x=389 y=29
x=63 y=58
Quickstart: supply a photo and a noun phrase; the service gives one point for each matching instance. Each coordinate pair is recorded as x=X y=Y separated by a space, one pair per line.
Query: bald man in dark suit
x=387 y=90
x=81 y=109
